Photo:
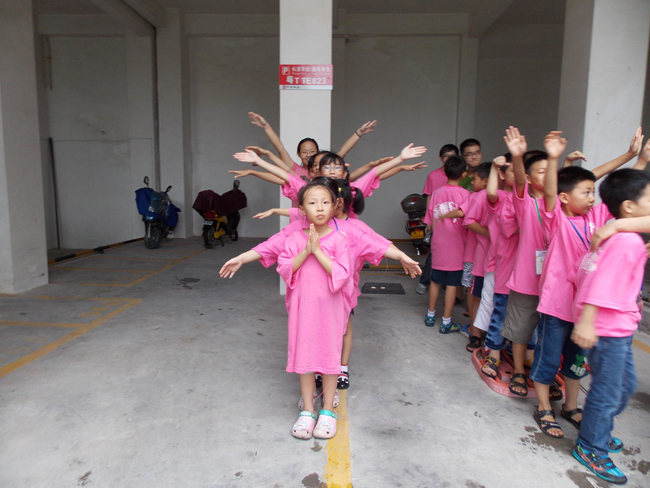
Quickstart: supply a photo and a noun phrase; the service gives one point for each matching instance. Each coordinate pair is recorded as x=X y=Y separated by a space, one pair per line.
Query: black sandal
x=546 y=425
x=343 y=381
x=493 y=365
x=518 y=384
x=569 y=414
x=555 y=393
x=473 y=344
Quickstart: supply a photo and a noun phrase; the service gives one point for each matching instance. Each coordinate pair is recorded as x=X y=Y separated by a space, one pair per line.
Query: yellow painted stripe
x=5 y=370
x=640 y=345
x=40 y=324
x=338 y=472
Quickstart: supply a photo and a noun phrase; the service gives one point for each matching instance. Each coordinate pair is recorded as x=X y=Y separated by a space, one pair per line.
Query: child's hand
x=314 y=240
x=229 y=269
x=246 y=156
x=574 y=156
x=637 y=143
x=500 y=161
x=410 y=266
x=257 y=119
x=240 y=173
x=410 y=152
x=367 y=127
x=263 y=215
x=258 y=150
x=413 y=167
x=584 y=335
x=516 y=142
x=554 y=144
x=381 y=161
x=601 y=234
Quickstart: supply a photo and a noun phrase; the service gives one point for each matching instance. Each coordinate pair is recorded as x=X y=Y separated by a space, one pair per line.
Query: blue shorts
x=477 y=289
x=555 y=348
x=494 y=340
x=446 y=278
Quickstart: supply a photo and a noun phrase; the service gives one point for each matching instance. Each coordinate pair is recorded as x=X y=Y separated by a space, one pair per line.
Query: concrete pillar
x=23 y=251
x=174 y=117
x=467 y=89
x=603 y=75
x=305 y=38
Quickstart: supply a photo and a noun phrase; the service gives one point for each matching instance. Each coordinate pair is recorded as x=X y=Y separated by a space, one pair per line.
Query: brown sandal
x=491 y=364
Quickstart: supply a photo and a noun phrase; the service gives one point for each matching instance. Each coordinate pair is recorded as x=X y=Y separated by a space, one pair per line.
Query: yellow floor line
x=5 y=370
x=640 y=345
x=337 y=472
x=40 y=324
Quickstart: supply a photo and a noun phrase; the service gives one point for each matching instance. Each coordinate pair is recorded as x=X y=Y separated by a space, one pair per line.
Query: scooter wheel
x=208 y=237
x=234 y=235
x=152 y=237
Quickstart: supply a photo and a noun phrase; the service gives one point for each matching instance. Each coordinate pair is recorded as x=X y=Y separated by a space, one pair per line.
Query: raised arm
x=555 y=146
x=251 y=157
x=260 y=151
x=362 y=170
x=572 y=157
x=644 y=157
x=408 y=152
x=403 y=167
x=492 y=189
x=231 y=266
x=286 y=212
x=632 y=152
x=635 y=224
x=240 y=173
x=354 y=138
x=259 y=121
x=517 y=146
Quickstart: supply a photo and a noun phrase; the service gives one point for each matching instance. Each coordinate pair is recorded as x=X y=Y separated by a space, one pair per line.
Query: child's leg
x=347 y=343
x=307 y=388
x=573 y=369
x=450 y=300
x=434 y=291
x=494 y=341
x=329 y=388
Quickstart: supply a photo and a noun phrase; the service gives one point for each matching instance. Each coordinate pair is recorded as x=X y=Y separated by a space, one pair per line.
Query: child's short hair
x=352 y=197
x=467 y=143
x=533 y=157
x=333 y=158
x=312 y=160
x=568 y=178
x=448 y=147
x=307 y=139
x=455 y=167
x=508 y=157
x=323 y=182
x=483 y=170
x=621 y=185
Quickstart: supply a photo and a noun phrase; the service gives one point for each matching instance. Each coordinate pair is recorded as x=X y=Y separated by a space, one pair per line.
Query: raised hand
x=381 y=161
x=500 y=161
x=367 y=127
x=516 y=142
x=258 y=150
x=410 y=152
x=574 y=156
x=246 y=156
x=257 y=119
x=240 y=173
x=637 y=142
x=229 y=269
x=413 y=167
x=555 y=144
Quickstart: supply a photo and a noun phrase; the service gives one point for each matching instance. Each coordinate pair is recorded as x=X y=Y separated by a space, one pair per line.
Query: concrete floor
x=142 y=368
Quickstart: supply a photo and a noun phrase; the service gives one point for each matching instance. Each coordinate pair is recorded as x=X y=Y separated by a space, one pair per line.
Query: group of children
x=520 y=239
x=544 y=270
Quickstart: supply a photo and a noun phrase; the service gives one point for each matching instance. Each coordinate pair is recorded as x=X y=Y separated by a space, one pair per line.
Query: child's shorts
x=446 y=278
x=477 y=289
x=522 y=317
x=468 y=278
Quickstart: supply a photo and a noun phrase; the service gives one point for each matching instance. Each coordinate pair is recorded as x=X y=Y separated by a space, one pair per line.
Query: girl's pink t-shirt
x=493 y=229
x=300 y=170
x=448 y=240
x=524 y=278
x=291 y=189
x=470 y=248
x=569 y=240
x=506 y=249
x=475 y=210
x=611 y=278
x=367 y=183
x=436 y=179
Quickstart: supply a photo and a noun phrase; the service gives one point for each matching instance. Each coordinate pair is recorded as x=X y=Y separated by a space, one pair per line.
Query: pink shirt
x=448 y=240
x=506 y=249
x=300 y=170
x=367 y=183
x=436 y=179
x=569 y=239
x=611 y=279
x=291 y=189
x=470 y=248
x=524 y=278
x=493 y=229
x=476 y=210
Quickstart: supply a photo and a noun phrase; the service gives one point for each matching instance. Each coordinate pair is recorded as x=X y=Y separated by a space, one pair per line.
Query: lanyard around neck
x=539 y=216
x=585 y=241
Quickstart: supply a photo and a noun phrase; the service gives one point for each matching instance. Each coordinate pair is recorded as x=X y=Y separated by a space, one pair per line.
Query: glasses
x=469 y=154
x=336 y=167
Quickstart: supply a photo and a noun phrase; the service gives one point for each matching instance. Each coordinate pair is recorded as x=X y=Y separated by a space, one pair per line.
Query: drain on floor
x=383 y=289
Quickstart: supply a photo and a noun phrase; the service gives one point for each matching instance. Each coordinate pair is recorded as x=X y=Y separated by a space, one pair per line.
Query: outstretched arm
x=231 y=266
x=286 y=212
x=555 y=146
x=632 y=152
x=644 y=157
x=403 y=167
x=636 y=224
x=572 y=157
x=362 y=170
x=251 y=157
x=259 y=121
x=408 y=152
x=517 y=146
x=240 y=173
x=260 y=151
x=410 y=266
x=354 y=138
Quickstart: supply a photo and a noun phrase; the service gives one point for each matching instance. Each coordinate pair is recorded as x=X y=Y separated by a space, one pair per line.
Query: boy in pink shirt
x=447 y=243
x=606 y=315
x=569 y=217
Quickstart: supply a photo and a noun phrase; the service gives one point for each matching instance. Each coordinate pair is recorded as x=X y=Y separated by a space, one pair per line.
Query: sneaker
x=319 y=380
x=421 y=289
x=343 y=381
x=615 y=445
x=326 y=426
x=430 y=321
x=448 y=329
x=602 y=467
x=304 y=426
x=464 y=331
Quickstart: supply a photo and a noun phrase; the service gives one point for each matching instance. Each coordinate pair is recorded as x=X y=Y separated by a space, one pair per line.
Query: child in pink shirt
x=606 y=315
x=447 y=243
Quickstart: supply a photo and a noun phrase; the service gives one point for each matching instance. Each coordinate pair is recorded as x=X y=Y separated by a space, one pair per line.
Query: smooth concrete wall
x=519 y=71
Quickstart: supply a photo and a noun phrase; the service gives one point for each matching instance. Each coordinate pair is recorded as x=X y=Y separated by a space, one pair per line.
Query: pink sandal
x=304 y=426
x=326 y=427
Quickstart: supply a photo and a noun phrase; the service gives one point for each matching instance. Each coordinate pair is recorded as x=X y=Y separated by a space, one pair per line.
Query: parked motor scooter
x=220 y=214
x=159 y=214
x=415 y=206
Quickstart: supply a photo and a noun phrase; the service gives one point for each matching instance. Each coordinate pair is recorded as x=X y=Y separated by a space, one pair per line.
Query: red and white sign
x=306 y=76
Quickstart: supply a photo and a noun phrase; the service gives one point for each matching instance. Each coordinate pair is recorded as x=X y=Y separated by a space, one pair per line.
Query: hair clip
x=347 y=164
